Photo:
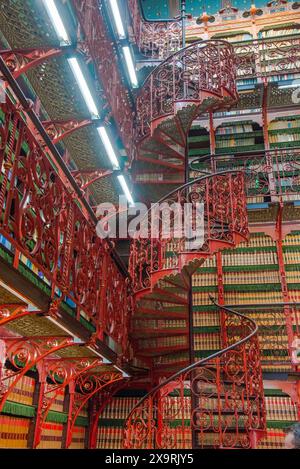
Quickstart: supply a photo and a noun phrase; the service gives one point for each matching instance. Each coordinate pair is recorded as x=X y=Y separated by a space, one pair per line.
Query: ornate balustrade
x=42 y=221
x=217 y=214
x=257 y=58
x=271 y=175
x=217 y=402
x=155 y=39
x=268 y=57
x=201 y=74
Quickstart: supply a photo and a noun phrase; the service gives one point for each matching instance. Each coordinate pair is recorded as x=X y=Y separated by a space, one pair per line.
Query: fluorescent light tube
x=126 y=191
x=130 y=65
x=83 y=86
x=57 y=21
x=117 y=18
x=108 y=147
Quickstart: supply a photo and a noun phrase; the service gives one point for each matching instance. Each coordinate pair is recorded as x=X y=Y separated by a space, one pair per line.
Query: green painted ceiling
x=163 y=9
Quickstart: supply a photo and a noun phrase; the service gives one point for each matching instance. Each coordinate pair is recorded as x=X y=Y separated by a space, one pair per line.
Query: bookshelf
x=284 y=132
x=237 y=137
x=111 y=422
x=281 y=413
x=279 y=30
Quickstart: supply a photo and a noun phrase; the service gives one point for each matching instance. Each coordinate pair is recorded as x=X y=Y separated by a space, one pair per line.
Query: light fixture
x=73 y=62
x=108 y=147
x=117 y=18
x=126 y=191
x=130 y=66
x=57 y=21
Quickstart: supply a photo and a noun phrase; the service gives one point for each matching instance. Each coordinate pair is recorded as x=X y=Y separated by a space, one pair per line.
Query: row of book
x=292 y=239
x=281 y=408
x=207 y=341
x=241 y=297
x=235 y=128
x=253 y=257
x=291 y=257
x=276 y=32
x=279 y=138
x=207 y=278
x=159 y=324
x=268 y=276
x=51 y=437
x=235 y=142
x=206 y=318
x=162 y=342
x=13 y=431
x=78 y=438
x=273 y=440
x=286 y=123
x=110 y=437
x=23 y=391
x=119 y=407
x=58 y=403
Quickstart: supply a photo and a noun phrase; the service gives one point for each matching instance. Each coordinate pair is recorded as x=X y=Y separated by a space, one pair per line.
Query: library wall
x=251 y=284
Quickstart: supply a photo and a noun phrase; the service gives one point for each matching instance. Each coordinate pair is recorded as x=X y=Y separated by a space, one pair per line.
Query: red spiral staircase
x=218 y=401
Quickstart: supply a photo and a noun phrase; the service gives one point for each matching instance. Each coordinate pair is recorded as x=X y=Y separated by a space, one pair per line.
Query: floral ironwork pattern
x=225 y=224
x=204 y=71
x=41 y=219
x=217 y=402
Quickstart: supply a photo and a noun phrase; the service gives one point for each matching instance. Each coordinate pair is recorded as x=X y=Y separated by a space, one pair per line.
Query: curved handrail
x=183 y=51
x=203 y=360
x=218 y=208
x=253 y=329
x=190 y=75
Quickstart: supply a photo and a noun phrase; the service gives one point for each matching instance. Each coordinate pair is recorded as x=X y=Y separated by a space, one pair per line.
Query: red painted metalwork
x=270 y=175
x=225 y=215
x=58 y=130
x=87 y=386
x=220 y=396
x=87 y=177
x=202 y=74
x=158 y=40
x=155 y=39
x=101 y=49
x=21 y=60
x=42 y=220
x=10 y=313
x=26 y=352
x=60 y=372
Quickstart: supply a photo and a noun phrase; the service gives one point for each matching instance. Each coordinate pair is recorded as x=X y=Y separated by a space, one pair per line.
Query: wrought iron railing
x=217 y=214
x=45 y=225
x=204 y=71
x=256 y=58
x=216 y=402
x=271 y=175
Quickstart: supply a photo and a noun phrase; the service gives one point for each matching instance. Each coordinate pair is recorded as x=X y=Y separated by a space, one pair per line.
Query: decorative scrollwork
x=221 y=397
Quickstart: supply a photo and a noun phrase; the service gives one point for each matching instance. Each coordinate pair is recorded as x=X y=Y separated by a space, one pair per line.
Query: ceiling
x=164 y=9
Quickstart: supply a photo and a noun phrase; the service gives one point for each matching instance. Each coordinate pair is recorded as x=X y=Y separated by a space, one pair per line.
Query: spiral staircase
x=216 y=402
